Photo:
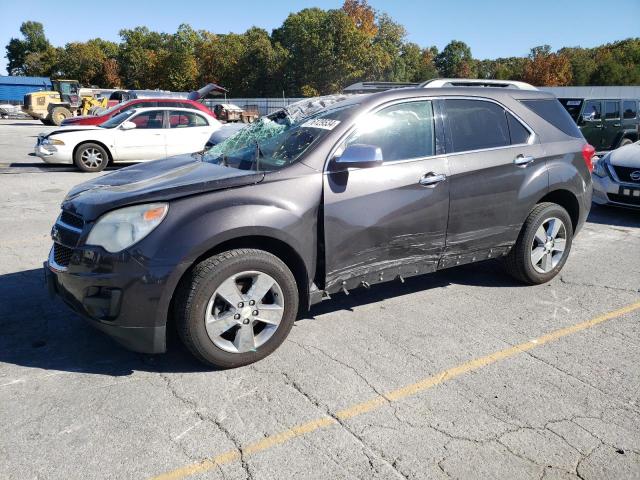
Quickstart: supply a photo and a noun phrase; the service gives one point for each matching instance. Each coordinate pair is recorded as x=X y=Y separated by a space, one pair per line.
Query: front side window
x=593 y=110
x=612 y=110
x=629 y=109
x=402 y=131
x=476 y=125
x=185 y=120
x=149 y=120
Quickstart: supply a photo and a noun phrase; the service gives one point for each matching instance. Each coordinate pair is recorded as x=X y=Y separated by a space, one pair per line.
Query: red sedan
x=136 y=103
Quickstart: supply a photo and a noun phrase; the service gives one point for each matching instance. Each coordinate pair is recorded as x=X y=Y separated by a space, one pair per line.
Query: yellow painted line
x=392 y=396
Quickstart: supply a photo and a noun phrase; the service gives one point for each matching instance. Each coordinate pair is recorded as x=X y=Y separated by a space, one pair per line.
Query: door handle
x=431 y=179
x=616 y=124
x=597 y=126
x=522 y=160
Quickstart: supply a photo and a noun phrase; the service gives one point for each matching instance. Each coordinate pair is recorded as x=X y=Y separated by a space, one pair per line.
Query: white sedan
x=137 y=135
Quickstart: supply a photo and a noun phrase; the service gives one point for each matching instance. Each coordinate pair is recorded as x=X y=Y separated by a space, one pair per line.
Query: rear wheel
x=543 y=245
x=91 y=157
x=237 y=307
x=58 y=114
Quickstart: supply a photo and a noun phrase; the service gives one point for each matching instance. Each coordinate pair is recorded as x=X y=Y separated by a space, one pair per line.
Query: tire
x=519 y=263
x=221 y=341
x=91 y=157
x=58 y=114
x=625 y=141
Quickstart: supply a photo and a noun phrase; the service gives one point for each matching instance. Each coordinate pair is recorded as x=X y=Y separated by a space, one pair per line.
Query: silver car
x=616 y=177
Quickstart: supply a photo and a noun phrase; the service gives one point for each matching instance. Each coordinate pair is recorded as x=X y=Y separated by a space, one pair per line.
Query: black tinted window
x=612 y=110
x=555 y=114
x=403 y=131
x=519 y=134
x=593 y=110
x=476 y=124
x=629 y=110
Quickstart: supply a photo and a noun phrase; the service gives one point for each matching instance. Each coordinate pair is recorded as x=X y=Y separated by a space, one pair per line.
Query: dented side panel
x=380 y=223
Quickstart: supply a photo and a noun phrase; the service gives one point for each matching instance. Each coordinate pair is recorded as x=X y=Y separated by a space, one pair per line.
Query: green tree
x=85 y=61
x=139 y=57
x=456 y=61
x=33 y=54
x=326 y=51
x=545 y=68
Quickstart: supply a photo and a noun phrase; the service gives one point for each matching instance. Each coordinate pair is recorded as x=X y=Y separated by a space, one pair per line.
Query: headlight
x=117 y=230
x=600 y=169
x=52 y=141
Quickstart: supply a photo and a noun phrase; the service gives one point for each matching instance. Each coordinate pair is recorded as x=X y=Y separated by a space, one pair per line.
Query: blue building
x=13 y=89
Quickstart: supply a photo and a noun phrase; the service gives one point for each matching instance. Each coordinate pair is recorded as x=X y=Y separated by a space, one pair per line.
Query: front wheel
x=91 y=157
x=543 y=245
x=237 y=307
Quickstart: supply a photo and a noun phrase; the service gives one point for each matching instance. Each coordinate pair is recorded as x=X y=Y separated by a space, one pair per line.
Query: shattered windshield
x=279 y=139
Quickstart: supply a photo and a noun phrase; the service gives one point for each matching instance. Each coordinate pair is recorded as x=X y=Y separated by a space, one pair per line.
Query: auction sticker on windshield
x=324 y=123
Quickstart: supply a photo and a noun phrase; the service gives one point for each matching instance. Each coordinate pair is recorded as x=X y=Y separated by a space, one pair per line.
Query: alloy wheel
x=548 y=245
x=244 y=311
x=91 y=158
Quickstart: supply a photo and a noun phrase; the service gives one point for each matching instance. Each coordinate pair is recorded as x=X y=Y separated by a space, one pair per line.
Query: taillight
x=587 y=153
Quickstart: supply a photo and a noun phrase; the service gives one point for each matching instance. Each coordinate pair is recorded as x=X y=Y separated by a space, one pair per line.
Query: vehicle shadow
x=621 y=217
x=43 y=333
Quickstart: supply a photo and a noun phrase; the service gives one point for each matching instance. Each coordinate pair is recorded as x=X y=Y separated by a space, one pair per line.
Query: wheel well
x=566 y=200
x=97 y=143
x=276 y=247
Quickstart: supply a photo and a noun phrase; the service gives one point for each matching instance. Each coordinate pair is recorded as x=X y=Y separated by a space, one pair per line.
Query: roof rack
x=374 y=87
x=473 y=82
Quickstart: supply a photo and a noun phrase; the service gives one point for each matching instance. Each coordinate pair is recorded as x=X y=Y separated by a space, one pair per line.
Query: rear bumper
x=120 y=302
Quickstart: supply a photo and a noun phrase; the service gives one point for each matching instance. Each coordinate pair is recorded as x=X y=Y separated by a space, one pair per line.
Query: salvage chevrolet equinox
x=325 y=196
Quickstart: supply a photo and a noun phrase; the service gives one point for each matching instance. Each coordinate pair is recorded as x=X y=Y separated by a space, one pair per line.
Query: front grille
x=62 y=254
x=624 y=173
x=66 y=237
x=71 y=219
x=628 y=199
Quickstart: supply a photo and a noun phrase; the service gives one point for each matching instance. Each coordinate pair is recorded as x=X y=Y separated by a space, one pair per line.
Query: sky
x=492 y=28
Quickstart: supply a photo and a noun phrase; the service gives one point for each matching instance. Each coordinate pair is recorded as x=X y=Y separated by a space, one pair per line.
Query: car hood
x=160 y=180
x=70 y=128
x=627 y=156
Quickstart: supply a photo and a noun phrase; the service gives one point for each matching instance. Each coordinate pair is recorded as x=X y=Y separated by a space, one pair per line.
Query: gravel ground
x=398 y=381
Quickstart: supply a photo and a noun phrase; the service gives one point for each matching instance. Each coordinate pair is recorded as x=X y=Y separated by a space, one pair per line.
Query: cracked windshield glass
x=279 y=139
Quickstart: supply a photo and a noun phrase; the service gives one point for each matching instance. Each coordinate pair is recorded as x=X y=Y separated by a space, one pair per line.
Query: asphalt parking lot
x=460 y=374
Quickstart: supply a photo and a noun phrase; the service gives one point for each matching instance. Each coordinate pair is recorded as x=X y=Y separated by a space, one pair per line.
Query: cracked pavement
x=74 y=405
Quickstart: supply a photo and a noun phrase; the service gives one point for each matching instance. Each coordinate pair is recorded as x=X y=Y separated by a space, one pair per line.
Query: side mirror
x=127 y=125
x=359 y=156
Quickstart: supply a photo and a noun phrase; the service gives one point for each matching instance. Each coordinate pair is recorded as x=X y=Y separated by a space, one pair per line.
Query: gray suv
x=326 y=196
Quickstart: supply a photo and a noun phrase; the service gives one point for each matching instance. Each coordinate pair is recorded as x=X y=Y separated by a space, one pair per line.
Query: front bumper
x=607 y=191
x=53 y=154
x=119 y=298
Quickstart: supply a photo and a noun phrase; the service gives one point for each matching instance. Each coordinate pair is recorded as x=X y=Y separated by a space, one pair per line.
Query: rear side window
x=519 y=134
x=629 y=110
x=555 y=114
x=185 y=120
x=612 y=110
x=477 y=124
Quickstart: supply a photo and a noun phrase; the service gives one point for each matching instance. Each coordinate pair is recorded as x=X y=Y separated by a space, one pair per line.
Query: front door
x=494 y=168
x=145 y=142
x=591 y=123
x=612 y=124
x=387 y=221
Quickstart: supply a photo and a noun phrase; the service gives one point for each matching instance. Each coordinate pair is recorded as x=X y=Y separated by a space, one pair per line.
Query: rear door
x=389 y=220
x=145 y=142
x=493 y=164
x=612 y=124
x=591 y=123
x=188 y=132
